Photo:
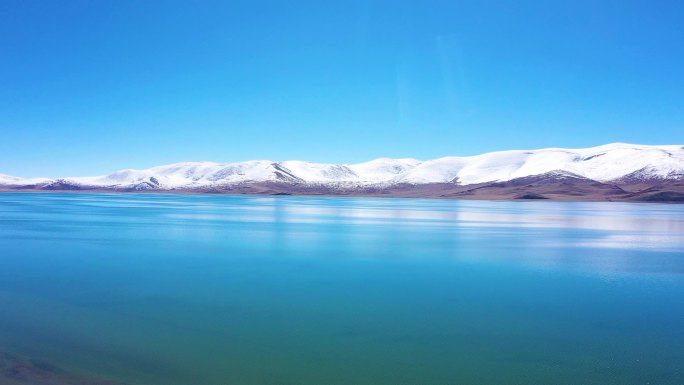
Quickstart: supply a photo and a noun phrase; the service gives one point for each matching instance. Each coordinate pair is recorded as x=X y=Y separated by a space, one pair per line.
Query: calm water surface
x=197 y=289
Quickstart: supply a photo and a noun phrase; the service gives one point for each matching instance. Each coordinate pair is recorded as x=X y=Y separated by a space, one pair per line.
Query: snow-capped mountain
x=8 y=180
x=612 y=162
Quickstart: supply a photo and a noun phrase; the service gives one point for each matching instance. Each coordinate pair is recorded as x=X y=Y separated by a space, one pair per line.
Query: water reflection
x=531 y=228
x=198 y=289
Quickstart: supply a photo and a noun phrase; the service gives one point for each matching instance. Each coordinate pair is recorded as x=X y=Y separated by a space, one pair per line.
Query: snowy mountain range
x=617 y=163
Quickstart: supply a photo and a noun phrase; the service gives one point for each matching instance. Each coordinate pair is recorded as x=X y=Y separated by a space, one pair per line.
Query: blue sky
x=87 y=87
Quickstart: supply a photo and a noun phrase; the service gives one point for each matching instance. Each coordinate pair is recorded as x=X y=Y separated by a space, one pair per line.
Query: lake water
x=209 y=289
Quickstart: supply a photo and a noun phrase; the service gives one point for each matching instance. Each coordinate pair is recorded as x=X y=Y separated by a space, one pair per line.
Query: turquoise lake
x=212 y=289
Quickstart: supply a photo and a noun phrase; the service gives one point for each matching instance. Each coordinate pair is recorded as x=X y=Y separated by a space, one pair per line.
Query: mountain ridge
x=617 y=164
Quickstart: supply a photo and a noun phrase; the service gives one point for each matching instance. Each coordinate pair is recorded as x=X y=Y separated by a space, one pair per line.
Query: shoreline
x=16 y=369
x=677 y=196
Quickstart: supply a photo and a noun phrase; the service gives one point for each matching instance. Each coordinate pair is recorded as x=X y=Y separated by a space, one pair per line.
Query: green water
x=198 y=289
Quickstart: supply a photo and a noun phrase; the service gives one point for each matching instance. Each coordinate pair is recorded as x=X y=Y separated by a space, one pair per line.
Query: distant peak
x=607 y=162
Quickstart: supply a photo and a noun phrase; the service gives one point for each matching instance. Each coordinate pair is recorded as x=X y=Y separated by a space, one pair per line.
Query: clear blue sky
x=87 y=87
